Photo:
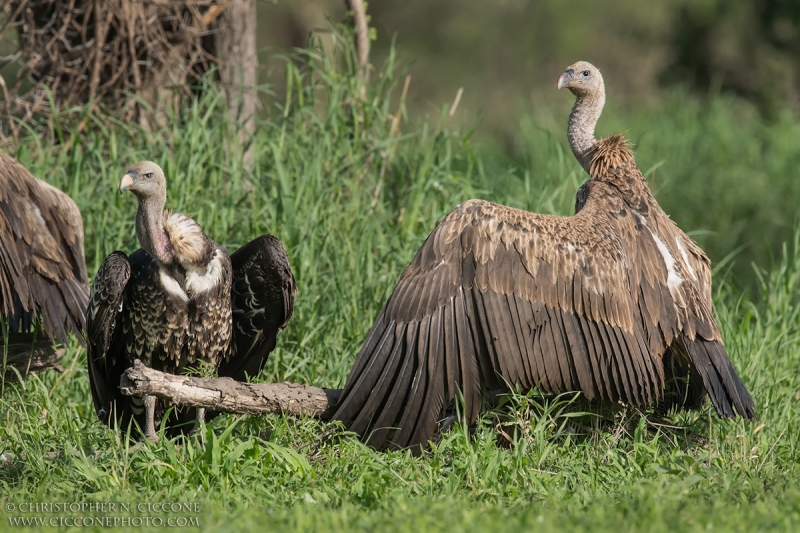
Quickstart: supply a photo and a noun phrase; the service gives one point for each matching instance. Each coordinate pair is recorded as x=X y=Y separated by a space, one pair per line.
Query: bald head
x=582 y=79
x=145 y=179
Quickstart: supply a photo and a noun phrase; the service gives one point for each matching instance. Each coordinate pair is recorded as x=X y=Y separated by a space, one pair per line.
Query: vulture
x=42 y=268
x=614 y=302
x=179 y=300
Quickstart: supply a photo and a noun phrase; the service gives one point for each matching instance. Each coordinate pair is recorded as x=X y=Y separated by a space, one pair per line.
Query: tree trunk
x=235 y=48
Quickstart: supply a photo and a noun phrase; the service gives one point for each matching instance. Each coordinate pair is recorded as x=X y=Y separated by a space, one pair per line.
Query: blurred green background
x=706 y=89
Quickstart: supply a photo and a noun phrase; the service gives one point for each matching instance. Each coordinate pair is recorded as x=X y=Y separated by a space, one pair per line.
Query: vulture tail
x=720 y=379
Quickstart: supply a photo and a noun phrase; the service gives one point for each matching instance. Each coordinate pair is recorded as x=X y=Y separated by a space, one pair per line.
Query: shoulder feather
x=610 y=153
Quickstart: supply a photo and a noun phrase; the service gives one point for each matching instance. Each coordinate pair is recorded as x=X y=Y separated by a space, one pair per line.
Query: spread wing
x=42 y=267
x=105 y=342
x=262 y=301
x=498 y=295
x=697 y=353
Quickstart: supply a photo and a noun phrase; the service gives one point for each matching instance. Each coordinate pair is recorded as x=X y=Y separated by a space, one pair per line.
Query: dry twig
x=79 y=50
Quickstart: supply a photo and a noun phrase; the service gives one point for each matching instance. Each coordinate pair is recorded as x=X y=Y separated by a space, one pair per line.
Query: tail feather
x=720 y=378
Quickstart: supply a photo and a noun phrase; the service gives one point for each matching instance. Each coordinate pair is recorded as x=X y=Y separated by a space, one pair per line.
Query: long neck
x=582 y=120
x=150 y=229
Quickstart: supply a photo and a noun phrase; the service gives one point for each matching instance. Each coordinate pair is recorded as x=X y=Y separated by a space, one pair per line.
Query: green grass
x=319 y=160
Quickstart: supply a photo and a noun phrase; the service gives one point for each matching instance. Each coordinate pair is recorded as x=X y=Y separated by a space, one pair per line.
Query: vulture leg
x=201 y=418
x=149 y=420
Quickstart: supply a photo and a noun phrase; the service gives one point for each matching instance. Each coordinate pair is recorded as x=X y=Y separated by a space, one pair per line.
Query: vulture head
x=585 y=82
x=582 y=79
x=146 y=180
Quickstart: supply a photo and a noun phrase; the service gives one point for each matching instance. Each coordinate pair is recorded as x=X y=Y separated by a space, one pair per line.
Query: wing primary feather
x=551 y=356
x=489 y=337
x=579 y=347
x=411 y=412
x=632 y=361
x=382 y=388
x=357 y=390
x=563 y=356
x=720 y=378
x=452 y=361
x=521 y=341
x=416 y=405
x=433 y=401
x=616 y=358
x=384 y=424
x=508 y=349
x=470 y=373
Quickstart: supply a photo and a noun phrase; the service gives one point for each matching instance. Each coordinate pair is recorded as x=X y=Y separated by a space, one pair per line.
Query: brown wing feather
x=674 y=285
x=521 y=289
x=42 y=267
x=590 y=302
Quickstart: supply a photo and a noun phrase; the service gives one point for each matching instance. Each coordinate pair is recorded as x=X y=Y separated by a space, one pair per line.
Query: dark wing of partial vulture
x=262 y=301
x=42 y=267
x=104 y=338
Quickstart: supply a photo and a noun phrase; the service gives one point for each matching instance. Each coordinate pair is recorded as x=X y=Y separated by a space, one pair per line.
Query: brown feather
x=42 y=269
x=591 y=302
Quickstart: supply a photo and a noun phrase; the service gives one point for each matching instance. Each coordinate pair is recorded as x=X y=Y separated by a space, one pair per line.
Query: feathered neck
x=150 y=229
x=582 y=121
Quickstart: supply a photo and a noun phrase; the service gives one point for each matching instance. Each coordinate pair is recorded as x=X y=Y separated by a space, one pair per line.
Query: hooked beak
x=565 y=78
x=127 y=181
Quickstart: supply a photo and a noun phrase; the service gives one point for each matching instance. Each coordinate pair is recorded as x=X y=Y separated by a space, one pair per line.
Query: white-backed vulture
x=599 y=302
x=178 y=300
x=42 y=268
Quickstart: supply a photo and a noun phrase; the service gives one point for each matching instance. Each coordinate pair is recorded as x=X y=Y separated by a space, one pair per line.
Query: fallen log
x=230 y=396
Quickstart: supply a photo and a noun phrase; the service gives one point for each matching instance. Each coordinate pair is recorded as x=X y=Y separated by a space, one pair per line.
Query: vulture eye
x=149 y=176
x=585 y=73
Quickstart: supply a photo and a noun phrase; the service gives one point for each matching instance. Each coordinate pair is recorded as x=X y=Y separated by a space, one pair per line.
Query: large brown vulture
x=612 y=301
x=42 y=268
x=178 y=300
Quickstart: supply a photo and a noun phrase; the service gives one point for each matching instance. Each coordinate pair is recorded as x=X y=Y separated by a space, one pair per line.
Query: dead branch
x=230 y=396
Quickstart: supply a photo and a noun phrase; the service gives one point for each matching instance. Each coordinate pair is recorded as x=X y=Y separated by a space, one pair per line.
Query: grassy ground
x=352 y=199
